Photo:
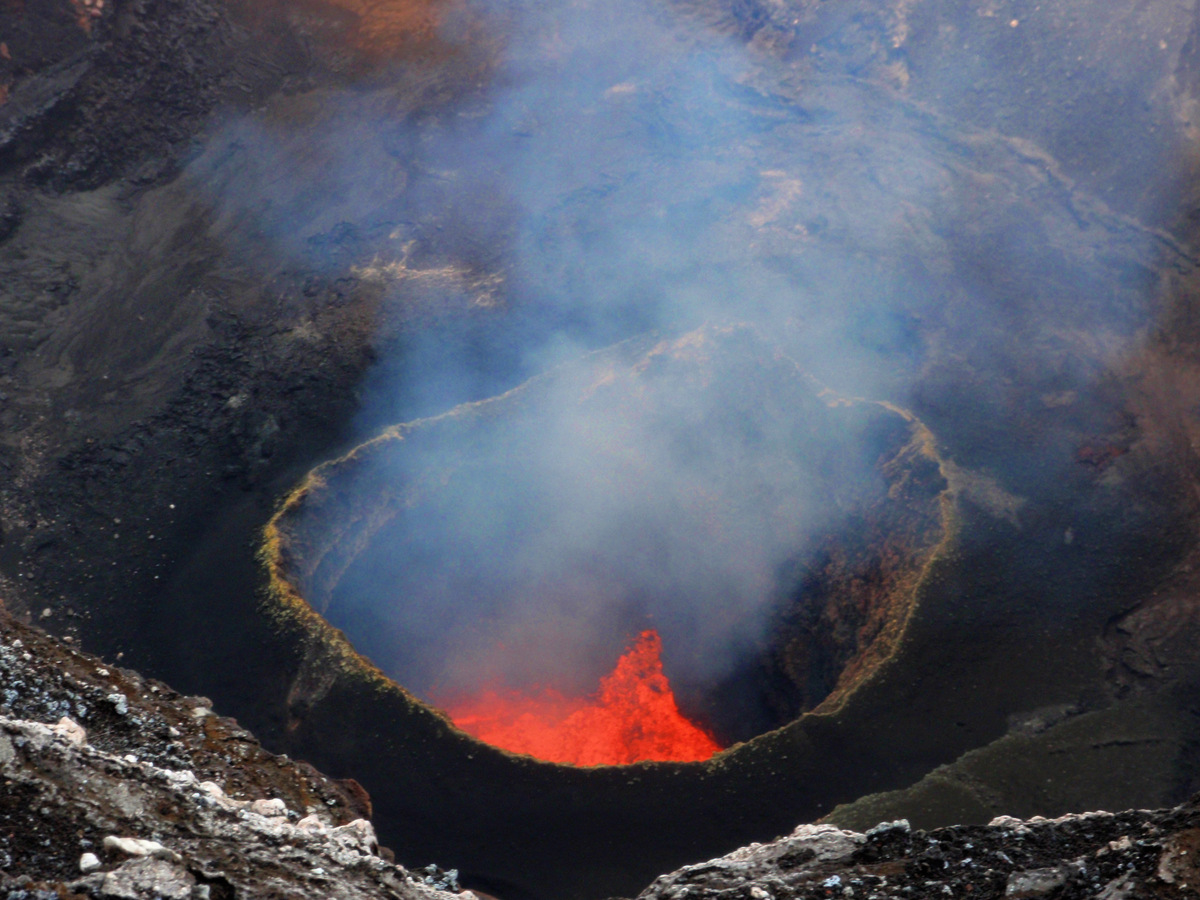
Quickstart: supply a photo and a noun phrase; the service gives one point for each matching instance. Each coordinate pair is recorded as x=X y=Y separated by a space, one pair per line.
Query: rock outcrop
x=1120 y=856
x=137 y=792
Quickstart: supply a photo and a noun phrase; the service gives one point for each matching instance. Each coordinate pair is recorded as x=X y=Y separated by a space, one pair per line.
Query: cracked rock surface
x=156 y=796
x=1114 y=856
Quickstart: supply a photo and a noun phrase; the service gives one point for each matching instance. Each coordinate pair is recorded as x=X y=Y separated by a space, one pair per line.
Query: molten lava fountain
x=632 y=717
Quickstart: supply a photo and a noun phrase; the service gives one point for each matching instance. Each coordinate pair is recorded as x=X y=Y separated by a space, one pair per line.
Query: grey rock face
x=764 y=867
x=172 y=837
x=1093 y=855
x=144 y=877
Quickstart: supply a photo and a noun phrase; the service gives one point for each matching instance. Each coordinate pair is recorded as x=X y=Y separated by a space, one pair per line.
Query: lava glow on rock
x=633 y=717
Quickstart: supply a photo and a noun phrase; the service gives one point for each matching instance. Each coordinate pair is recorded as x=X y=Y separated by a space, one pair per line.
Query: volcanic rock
x=137 y=878
x=1095 y=855
x=71 y=730
x=138 y=847
x=152 y=827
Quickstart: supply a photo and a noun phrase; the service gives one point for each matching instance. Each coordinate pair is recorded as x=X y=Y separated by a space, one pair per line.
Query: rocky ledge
x=205 y=844
x=113 y=786
x=1103 y=855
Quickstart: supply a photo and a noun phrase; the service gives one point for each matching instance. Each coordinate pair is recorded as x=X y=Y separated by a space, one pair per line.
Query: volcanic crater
x=237 y=237
x=665 y=476
x=372 y=549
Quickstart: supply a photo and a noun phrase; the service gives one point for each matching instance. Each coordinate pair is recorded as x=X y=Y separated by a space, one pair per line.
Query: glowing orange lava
x=633 y=717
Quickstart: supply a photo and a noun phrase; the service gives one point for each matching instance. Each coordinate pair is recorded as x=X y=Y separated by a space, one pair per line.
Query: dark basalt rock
x=1098 y=854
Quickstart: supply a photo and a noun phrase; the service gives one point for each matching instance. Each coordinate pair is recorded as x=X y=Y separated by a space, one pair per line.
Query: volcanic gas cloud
x=633 y=717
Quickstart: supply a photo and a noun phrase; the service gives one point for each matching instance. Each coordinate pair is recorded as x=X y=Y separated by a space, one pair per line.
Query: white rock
x=120 y=702
x=827 y=842
x=89 y=863
x=182 y=778
x=138 y=847
x=1124 y=843
x=312 y=825
x=360 y=832
x=212 y=789
x=900 y=825
x=71 y=731
x=269 y=808
x=141 y=878
x=1006 y=822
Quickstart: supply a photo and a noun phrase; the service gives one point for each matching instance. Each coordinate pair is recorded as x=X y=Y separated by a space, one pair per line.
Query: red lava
x=632 y=717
